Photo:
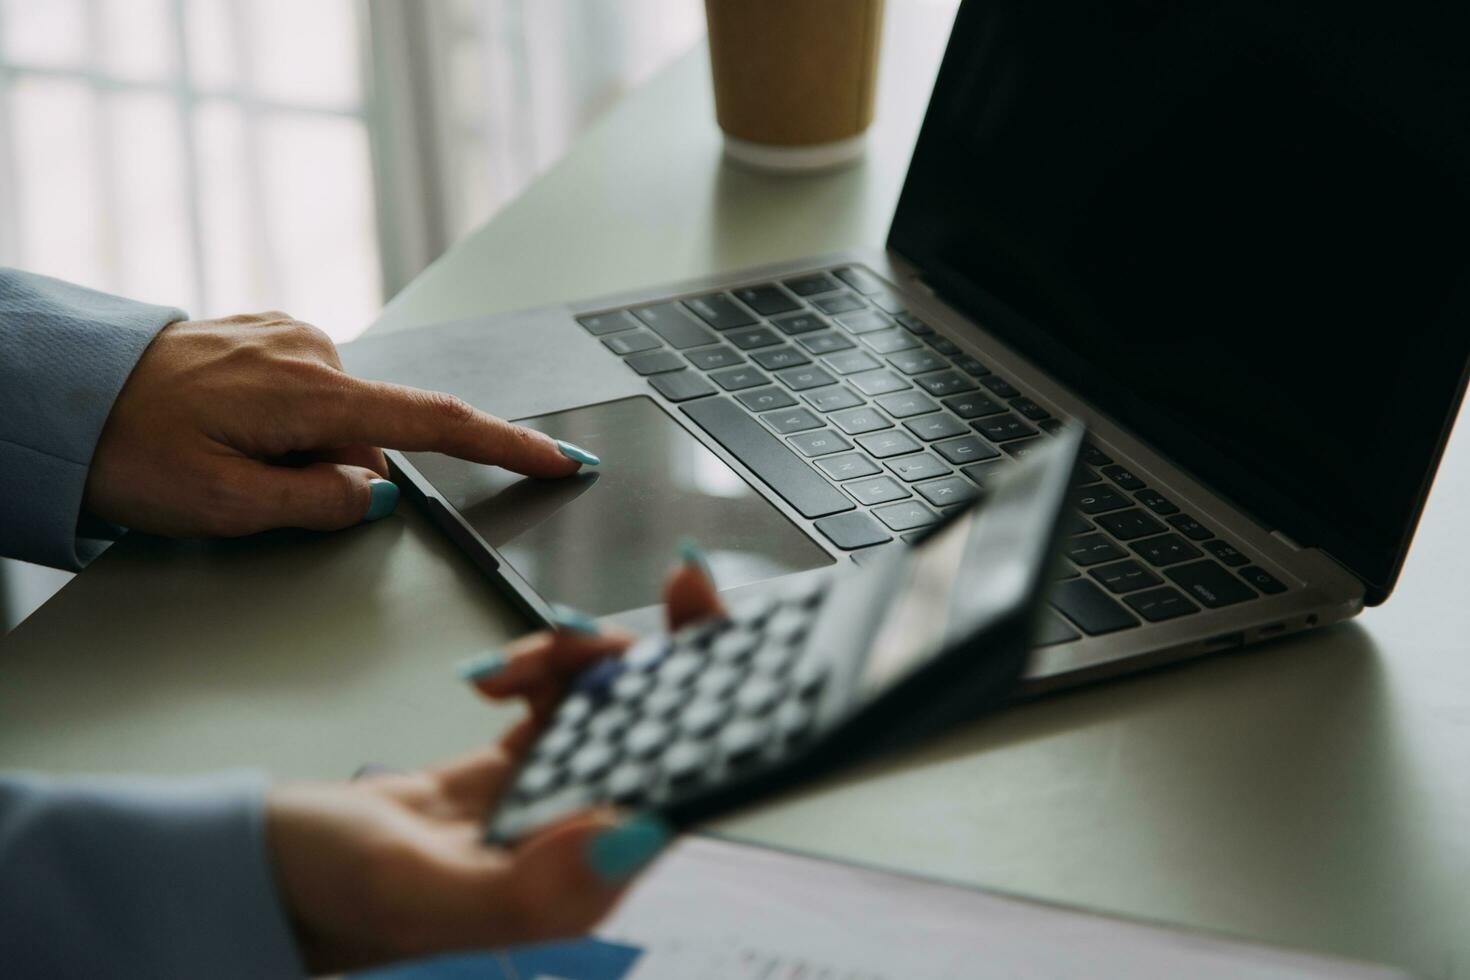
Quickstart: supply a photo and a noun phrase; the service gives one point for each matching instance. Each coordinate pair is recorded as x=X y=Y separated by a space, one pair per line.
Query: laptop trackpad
x=604 y=539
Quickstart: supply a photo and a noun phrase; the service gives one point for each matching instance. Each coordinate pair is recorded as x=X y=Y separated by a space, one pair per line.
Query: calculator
x=797 y=683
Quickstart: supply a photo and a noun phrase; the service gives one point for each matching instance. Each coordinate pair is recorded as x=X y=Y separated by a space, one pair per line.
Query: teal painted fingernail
x=567 y=618
x=482 y=668
x=581 y=455
x=617 y=852
x=690 y=553
x=384 y=499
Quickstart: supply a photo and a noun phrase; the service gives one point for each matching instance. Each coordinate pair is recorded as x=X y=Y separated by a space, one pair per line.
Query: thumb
x=567 y=877
x=319 y=497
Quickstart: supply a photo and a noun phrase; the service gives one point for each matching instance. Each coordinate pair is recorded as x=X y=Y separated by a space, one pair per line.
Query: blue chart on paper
x=585 y=959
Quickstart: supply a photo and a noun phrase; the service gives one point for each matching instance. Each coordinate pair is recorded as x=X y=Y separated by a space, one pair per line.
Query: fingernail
x=384 y=499
x=617 y=852
x=581 y=455
x=567 y=618
x=690 y=553
x=482 y=668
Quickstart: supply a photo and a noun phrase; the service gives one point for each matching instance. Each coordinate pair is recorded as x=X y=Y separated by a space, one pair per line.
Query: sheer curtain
x=233 y=155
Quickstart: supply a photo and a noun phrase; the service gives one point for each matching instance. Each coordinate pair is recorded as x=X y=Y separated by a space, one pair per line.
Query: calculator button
x=686 y=762
x=574 y=710
x=742 y=741
x=734 y=645
x=632 y=685
x=787 y=626
x=647 y=738
x=809 y=677
x=646 y=654
x=591 y=761
x=538 y=779
x=555 y=744
x=772 y=659
x=758 y=695
x=717 y=680
x=702 y=717
x=629 y=783
x=663 y=702
x=793 y=720
x=610 y=722
x=680 y=668
x=597 y=680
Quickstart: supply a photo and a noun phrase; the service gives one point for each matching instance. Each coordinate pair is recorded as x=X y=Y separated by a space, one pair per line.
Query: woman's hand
x=232 y=426
x=393 y=866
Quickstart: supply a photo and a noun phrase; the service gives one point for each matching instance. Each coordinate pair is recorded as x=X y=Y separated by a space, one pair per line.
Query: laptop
x=1229 y=238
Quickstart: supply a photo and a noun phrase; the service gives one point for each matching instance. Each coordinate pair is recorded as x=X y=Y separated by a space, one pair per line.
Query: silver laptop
x=1229 y=239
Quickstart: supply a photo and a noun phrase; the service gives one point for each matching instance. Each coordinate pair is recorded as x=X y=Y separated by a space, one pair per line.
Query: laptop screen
x=1242 y=229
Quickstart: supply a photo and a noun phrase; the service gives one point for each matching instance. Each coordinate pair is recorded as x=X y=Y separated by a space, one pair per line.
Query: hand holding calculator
x=797 y=683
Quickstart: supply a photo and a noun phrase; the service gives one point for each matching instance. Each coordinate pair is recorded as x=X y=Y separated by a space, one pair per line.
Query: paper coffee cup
x=794 y=79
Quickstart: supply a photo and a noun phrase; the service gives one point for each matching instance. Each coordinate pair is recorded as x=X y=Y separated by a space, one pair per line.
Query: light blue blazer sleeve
x=65 y=352
x=139 y=878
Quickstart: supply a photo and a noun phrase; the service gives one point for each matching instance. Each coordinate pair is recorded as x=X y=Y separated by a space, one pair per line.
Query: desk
x=1313 y=792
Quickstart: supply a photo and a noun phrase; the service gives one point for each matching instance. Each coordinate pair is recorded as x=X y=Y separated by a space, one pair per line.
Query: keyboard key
x=936 y=426
x=799 y=323
x=862 y=321
x=889 y=341
x=676 y=325
x=840 y=303
x=714 y=358
x=950 y=490
x=598 y=324
x=944 y=383
x=747 y=440
x=631 y=343
x=1093 y=456
x=875 y=490
x=1091 y=549
x=970 y=366
x=1098 y=500
x=718 y=311
x=1125 y=576
x=999 y=428
x=811 y=285
x=1156 y=502
x=1157 y=605
x=848 y=466
x=916 y=361
x=981 y=473
x=767 y=300
x=973 y=406
x=856 y=421
x=1123 y=477
x=1050 y=426
x=1262 y=580
x=1030 y=409
x=1022 y=448
x=795 y=420
x=654 y=362
x=679 y=386
x=1090 y=607
x=851 y=361
x=944 y=345
x=855 y=530
x=904 y=404
x=920 y=466
x=1052 y=630
x=860 y=279
x=914 y=325
x=1074 y=523
x=966 y=449
x=1125 y=525
x=775 y=360
x=877 y=382
x=1000 y=386
x=832 y=399
x=819 y=443
x=1210 y=584
x=882 y=445
x=1166 y=549
x=766 y=399
x=888 y=302
x=1226 y=553
x=825 y=343
x=738 y=378
x=906 y=516
x=802 y=378
x=1191 y=528
x=750 y=338
x=1085 y=474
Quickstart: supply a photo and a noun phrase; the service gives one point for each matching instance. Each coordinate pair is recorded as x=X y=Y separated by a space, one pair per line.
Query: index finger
x=377 y=413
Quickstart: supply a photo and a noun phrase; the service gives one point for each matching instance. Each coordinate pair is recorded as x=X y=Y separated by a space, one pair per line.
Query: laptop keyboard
x=866 y=421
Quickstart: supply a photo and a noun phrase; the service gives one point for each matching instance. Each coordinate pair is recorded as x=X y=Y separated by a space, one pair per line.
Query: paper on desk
x=711 y=910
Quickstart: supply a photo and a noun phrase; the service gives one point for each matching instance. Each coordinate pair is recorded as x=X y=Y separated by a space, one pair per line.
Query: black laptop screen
x=1242 y=229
